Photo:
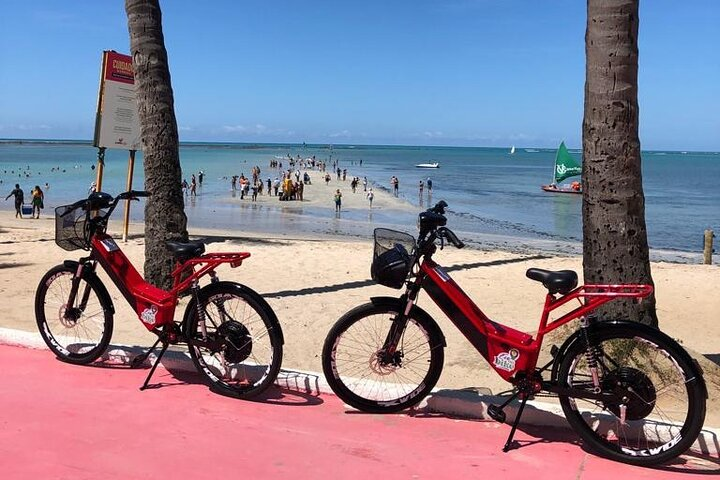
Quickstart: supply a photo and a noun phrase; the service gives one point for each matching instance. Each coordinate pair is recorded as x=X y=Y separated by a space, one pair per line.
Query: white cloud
x=343 y=134
x=32 y=127
x=234 y=128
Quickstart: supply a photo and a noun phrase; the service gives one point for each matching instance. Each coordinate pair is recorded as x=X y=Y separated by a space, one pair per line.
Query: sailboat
x=565 y=167
x=512 y=150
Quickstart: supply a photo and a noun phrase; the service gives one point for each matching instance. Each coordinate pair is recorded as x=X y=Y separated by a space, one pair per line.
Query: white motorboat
x=428 y=165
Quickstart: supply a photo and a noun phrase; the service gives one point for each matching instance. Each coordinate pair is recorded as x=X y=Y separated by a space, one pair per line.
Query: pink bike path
x=65 y=421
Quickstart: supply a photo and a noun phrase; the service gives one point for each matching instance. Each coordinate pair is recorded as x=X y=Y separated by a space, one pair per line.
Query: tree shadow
x=713 y=357
x=366 y=283
x=14 y=265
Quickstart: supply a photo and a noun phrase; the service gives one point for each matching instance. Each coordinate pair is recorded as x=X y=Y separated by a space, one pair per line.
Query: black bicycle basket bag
x=391 y=268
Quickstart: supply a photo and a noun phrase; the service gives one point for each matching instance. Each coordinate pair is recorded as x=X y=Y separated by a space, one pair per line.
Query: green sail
x=565 y=165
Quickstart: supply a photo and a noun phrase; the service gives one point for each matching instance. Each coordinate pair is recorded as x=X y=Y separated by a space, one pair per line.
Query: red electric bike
x=630 y=391
x=233 y=335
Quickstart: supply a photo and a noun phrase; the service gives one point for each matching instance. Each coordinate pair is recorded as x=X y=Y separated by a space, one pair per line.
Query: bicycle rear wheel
x=238 y=350
x=77 y=333
x=663 y=396
x=365 y=376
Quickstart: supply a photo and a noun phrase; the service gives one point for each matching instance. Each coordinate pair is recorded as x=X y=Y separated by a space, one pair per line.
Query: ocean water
x=489 y=191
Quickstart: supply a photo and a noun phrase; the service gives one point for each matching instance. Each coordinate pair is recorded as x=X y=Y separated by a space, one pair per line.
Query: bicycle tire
x=84 y=339
x=236 y=368
x=655 y=429
x=360 y=392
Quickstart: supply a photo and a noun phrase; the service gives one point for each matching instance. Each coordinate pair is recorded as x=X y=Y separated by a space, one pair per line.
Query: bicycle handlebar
x=432 y=227
x=439 y=207
x=445 y=232
x=132 y=195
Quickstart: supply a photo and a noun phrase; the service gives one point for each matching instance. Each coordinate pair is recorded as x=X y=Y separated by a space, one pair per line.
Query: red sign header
x=119 y=68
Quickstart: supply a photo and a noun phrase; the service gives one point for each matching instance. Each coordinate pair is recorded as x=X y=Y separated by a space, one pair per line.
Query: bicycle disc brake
x=383 y=363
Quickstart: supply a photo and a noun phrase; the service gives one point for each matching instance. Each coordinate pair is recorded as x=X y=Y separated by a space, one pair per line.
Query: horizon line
x=321 y=145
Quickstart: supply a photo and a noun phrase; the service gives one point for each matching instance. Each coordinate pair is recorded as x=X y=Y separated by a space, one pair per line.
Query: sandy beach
x=310 y=281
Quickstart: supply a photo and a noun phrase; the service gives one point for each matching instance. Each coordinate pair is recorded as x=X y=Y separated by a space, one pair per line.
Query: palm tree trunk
x=615 y=248
x=164 y=211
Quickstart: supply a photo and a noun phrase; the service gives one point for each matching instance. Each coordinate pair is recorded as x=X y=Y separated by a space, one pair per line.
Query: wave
x=512 y=228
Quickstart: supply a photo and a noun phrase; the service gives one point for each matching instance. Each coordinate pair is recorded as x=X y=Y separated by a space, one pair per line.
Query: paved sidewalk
x=64 y=421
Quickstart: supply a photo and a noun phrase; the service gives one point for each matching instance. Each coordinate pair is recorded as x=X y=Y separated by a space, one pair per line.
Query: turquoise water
x=488 y=190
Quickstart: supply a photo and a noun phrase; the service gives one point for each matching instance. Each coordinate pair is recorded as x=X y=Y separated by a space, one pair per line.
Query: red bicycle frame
x=507 y=350
x=155 y=307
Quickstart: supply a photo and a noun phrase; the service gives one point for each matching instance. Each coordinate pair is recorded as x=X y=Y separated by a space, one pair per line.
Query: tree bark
x=615 y=248
x=164 y=211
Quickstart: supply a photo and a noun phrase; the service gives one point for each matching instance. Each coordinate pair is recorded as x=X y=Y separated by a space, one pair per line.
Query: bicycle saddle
x=561 y=281
x=185 y=250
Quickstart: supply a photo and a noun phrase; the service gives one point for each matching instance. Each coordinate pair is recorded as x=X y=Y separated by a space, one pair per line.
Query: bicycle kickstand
x=157 y=361
x=140 y=359
x=508 y=444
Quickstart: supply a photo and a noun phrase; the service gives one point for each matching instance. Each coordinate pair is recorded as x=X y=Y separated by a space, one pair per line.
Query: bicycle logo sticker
x=506 y=360
x=148 y=315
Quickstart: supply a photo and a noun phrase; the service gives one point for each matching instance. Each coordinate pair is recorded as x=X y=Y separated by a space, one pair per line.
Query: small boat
x=512 y=150
x=428 y=165
x=574 y=187
x=565 y=167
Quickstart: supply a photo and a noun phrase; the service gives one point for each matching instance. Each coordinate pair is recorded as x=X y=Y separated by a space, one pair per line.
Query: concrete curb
x=468 y=403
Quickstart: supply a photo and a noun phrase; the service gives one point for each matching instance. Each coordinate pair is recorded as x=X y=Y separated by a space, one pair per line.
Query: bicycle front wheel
x=77 y=333
x=662 y=396
x=235 y=339
x=367 y=377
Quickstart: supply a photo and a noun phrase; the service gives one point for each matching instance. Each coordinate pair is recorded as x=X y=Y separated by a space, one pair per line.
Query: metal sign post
x=100 y=168
x=126 y=220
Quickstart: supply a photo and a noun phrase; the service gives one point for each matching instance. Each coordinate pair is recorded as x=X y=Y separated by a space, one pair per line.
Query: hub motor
x=238 y=341
x=636 y=387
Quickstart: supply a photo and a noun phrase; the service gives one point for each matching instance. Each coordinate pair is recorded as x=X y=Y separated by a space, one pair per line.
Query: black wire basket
x=71 y=232
x=392 y=257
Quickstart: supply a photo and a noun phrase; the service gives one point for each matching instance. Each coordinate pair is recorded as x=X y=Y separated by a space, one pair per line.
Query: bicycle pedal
x=496 y=413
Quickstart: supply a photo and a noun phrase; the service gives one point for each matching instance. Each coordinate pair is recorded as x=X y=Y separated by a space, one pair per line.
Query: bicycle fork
x=397 y=329
x=72 y=313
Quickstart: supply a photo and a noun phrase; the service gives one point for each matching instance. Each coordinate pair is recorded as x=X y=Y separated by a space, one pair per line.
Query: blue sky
x=445 y=72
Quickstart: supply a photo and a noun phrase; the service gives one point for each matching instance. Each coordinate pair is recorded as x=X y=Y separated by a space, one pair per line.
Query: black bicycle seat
x=561 y=281
x=185 y=250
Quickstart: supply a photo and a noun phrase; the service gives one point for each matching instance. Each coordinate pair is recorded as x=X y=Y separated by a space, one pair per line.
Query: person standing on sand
x=338 y=200
x=370 y=196
x=19 y=197
x=37 y=201
x=364 y=181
